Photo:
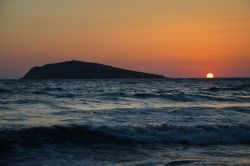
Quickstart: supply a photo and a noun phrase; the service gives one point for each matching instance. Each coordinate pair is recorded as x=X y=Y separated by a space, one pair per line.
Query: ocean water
x=125 y=122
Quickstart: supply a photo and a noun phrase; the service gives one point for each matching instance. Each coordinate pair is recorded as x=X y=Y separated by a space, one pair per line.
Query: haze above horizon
x=175 y=38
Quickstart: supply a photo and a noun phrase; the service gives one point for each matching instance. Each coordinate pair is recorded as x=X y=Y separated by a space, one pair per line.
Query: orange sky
x=176 y=38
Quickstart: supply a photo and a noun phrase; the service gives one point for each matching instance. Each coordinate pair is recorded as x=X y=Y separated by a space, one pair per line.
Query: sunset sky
x=176 y=38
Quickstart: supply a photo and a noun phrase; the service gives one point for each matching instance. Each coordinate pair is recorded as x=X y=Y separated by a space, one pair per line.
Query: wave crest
x=164 y=133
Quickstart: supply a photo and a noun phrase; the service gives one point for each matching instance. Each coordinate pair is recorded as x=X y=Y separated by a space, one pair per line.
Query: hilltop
x=84 y=70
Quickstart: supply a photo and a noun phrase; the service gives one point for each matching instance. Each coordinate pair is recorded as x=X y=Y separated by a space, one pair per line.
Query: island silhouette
x=85 y=70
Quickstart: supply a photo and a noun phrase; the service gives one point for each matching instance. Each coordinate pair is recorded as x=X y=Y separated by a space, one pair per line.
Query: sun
x=210 y=75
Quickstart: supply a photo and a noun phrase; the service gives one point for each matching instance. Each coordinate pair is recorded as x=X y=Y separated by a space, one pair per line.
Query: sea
x=193 y=122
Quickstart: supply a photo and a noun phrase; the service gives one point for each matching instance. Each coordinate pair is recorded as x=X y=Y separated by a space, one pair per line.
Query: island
x=85 y=70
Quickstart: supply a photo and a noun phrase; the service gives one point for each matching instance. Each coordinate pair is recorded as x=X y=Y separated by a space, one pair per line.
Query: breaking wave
x=161 y=134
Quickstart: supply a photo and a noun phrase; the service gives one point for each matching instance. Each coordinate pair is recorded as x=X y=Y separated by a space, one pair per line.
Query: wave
x=183 y=97
x=245 y=110
x=5 y=91
x=176 y=96
x=229 y=88
x=53 y=89
x=173 y=97
x=215 y=89
x=47 y=90
x=55 y=94
x=161 y=134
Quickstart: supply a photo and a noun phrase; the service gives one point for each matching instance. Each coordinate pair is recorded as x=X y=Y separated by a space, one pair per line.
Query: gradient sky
x=176 y=38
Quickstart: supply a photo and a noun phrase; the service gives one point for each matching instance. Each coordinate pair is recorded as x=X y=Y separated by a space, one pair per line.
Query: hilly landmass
x=84 y=70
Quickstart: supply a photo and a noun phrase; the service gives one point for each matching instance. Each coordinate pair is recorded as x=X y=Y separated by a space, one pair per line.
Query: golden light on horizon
x=176 y=38
x=210 y=75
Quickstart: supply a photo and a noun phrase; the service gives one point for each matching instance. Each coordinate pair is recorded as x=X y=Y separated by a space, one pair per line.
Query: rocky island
x=84 y=70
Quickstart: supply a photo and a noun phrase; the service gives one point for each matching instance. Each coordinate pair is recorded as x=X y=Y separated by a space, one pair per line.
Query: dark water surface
x=125 y=122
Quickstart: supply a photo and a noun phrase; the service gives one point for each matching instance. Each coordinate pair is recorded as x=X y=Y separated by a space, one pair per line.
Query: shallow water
x=125 y=122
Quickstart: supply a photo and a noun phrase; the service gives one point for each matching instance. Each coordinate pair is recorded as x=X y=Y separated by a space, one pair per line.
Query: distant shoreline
x=85 y=70
x=166 y=78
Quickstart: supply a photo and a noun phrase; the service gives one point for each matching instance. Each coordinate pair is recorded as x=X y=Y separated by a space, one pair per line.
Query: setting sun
x=210 y=75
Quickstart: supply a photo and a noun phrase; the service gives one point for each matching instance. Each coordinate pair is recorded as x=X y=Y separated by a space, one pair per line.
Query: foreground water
x=125 y=122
